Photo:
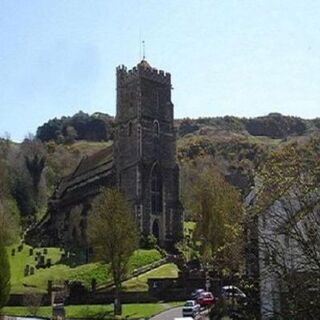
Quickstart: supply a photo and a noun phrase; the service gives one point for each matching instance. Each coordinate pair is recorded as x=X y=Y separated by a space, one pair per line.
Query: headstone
x=30 y=252
x=48 y=264
x=36 y=258
x=93 y=284
x=49 y=287
x=31 y=271
x=58 y=312
x=41 y=262
x=20 y=248
x=13 y=252
x=45 y=251
x=26 y=271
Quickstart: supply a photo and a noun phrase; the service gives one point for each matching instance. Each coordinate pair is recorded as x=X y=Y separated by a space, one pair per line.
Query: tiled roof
x=89 y=169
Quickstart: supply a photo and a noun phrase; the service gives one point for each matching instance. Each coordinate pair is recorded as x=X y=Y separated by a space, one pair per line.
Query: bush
x=4 y=276
x=148 y=241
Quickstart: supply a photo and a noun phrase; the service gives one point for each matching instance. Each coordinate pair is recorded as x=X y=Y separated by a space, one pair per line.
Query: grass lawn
x=140 y=283
x=60 y=272
x=87 y=311
x=21 y=259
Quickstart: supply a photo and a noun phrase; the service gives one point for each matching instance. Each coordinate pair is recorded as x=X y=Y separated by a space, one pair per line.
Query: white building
x=288 y=248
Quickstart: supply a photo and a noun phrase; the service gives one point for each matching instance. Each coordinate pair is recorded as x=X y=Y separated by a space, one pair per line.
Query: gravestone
x=26 y=271
x=45 y=251
x=93 y=285
x=49 y=288
x=31 y=271
x=58 y=312
x=41 y=262
x=48 y=264
x=13 y=252
x=30 y=252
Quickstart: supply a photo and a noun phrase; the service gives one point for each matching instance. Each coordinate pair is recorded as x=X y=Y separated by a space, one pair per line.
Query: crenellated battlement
x=143 y=70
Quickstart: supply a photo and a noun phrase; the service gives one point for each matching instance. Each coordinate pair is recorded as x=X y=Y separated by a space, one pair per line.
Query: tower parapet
x=143 y=70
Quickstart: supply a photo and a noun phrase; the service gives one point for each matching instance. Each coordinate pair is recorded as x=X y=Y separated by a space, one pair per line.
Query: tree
x=217 y=210
x=32 y=300
x=8 y=231
x=113 y=235
x=286 y=205
x=5 y=276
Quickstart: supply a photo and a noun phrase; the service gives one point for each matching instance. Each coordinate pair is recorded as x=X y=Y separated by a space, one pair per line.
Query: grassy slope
x=140 y=310
x=89 y=147
x=21 y=259
x=59 y=272
x=140 y=283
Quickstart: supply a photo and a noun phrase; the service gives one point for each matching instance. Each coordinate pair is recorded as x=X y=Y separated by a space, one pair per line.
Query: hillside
x=236 y=146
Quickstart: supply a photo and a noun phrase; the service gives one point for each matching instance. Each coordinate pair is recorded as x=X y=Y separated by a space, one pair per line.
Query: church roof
x=144 y=64
x=90 y=168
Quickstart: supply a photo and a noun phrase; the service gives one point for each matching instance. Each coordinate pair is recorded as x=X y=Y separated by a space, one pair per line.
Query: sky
x=243 y=58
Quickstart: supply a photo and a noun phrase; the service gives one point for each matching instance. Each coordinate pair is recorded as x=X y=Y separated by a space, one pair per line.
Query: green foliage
x=130 y=311
x=292 y=166
x=189 y=246
x=113 y=234
x=140 y=283
x=276 y=125
x=112 y=230
x=4 y=275
x=81 y=126
x=60 y=272
x=21 y=259
x=218 y=212
x=142 y=257
x=148 y=241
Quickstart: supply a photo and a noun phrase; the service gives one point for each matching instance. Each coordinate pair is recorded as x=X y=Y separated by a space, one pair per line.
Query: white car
x=233 y=292
x=190 y=308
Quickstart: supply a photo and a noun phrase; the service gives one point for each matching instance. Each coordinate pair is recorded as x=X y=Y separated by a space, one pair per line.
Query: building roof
x=89 y=169
x=144 y=64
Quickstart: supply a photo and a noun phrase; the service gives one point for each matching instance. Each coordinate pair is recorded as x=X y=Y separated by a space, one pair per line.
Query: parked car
x=206 y=299
x=233 y=292
x=196 y=293
x=190 y=308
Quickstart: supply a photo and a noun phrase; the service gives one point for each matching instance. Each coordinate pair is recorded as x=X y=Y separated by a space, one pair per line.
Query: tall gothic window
x=156 y=128
x=130 y=129
x=156 y=190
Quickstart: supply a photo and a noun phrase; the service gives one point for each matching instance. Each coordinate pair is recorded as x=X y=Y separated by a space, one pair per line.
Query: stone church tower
x=141 y=163
x=145 y=150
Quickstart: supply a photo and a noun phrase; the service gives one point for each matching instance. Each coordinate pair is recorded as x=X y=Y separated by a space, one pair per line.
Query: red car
x=206 y=299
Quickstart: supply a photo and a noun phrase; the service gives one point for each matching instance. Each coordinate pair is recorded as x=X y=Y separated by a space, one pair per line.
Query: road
x=169 y=314
x=174 y=313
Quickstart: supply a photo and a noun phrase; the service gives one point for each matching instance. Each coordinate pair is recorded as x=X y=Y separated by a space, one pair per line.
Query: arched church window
x=156 y=128
x=156 y=190
x=130 y=129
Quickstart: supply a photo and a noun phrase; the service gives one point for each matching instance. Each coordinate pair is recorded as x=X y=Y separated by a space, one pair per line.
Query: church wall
x=143 y=103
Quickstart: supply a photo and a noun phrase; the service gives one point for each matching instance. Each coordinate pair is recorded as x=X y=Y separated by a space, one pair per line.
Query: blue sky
x=243 y=58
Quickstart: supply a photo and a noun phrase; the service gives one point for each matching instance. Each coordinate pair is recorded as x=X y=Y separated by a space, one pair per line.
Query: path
x=174 y=313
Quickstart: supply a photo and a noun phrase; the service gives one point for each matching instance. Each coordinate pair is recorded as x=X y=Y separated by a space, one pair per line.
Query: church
x=141 y=163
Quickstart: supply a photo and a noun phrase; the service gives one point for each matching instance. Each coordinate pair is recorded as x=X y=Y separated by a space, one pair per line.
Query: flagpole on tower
x=143 y=50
